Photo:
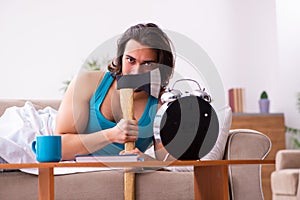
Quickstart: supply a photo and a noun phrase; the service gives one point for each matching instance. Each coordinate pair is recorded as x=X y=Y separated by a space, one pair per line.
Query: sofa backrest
x=38 y=104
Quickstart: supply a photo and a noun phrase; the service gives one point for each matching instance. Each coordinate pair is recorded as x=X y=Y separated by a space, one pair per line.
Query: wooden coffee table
x=208 y=175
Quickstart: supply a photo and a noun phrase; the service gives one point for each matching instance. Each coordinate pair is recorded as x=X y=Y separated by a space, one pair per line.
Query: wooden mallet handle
x=126 y=100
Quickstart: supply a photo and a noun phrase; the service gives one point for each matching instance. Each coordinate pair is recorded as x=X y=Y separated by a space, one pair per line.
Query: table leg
x=46 y=184
x=211 y=182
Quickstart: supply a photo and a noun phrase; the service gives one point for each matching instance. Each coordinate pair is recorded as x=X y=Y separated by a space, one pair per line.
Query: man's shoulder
x=91 y=74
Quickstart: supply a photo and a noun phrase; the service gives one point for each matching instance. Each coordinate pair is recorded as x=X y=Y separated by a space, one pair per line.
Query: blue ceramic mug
x=47 y=148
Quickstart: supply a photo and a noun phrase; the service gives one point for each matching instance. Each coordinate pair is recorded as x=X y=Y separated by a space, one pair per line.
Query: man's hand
x=125 y=131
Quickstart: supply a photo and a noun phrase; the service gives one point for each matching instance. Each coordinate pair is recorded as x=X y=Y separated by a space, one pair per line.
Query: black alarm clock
x=186 y=124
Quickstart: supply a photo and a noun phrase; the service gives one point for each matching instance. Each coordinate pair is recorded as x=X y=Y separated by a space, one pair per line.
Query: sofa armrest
x=288 y=159
x=244 y=144
x=245 y=180
x=37 y=103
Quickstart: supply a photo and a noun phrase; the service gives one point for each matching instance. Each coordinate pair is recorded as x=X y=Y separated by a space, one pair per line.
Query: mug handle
x=33 y=146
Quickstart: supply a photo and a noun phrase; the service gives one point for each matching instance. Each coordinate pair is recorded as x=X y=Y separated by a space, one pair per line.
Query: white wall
x=288 y=20
x=252 y=43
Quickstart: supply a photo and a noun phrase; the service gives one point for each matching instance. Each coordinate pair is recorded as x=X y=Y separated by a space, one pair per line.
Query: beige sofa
x=245 y=181
x=285 y=179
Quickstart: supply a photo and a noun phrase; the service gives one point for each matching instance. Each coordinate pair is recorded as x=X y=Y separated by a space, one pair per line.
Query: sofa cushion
x=285 y=181
x=101 y=185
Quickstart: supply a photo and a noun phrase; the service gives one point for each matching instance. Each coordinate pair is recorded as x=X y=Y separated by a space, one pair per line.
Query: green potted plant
x=90 y=65
x=293 y=134
x=264 y=103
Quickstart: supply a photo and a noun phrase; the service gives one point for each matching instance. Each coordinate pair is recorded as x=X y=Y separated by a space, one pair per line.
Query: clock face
x=188 y=127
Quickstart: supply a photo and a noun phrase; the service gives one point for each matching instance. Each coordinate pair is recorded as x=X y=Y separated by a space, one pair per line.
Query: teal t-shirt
x=98 y=122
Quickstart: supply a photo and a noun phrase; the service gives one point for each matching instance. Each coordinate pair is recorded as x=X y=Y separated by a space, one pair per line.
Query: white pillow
x=225 y=118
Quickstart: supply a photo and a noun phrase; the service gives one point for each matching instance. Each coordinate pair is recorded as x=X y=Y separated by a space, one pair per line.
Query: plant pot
x=264 y=105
